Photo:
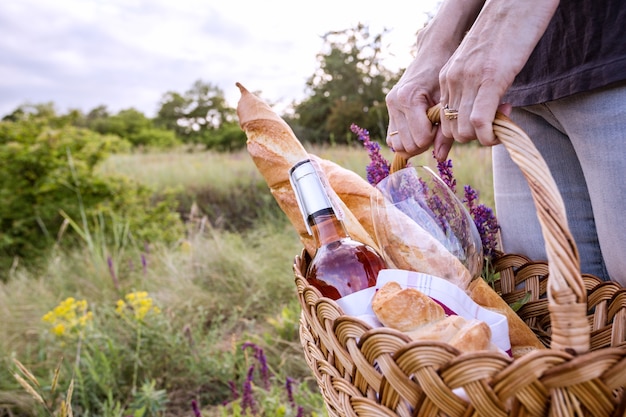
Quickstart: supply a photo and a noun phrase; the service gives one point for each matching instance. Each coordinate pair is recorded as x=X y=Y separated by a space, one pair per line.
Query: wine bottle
x=341 y=265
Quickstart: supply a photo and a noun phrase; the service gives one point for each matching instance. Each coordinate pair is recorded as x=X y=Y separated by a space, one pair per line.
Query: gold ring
x=449 y=113
x=395 y=132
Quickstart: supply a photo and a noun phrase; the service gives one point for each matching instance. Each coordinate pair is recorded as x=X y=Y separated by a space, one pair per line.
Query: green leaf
x=519 y=303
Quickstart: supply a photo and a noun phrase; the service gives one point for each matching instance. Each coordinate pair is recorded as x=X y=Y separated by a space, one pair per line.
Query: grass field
x=208 y=324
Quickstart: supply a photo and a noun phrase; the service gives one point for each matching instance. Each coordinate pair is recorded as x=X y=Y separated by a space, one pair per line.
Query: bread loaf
x=274 y=148
x=405 y=309
x=466 y=335
x=421 y=318
x=522 y=338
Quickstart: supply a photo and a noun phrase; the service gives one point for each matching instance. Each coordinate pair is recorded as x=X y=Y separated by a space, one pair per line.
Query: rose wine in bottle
x=341 y=265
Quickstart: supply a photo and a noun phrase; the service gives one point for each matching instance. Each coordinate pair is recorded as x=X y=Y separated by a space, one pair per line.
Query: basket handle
x=567 y=296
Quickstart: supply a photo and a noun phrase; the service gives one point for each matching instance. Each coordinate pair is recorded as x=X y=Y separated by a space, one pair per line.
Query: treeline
x=48 y=178
x=198 y=116
x=349 y=86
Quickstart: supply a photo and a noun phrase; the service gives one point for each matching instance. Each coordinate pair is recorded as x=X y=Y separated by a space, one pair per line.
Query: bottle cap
x=311 y=189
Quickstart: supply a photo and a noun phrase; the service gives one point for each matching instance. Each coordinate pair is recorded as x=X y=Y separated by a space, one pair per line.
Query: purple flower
x=378 y=168
x=195 y=408
x=485 y=221
x=260 y=357
x=247 y=401
x=289 y=386
x=445 y=172
x=484 y=218
x=233 y=390
x=116 y=283
x=144 y=263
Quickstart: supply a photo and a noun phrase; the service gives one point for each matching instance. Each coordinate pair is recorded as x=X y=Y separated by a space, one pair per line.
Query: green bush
x=155 y=138
x=47 y=177
x=229 y=137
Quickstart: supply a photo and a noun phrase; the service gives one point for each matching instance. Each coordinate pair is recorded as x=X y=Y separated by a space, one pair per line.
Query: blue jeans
x=583 y=140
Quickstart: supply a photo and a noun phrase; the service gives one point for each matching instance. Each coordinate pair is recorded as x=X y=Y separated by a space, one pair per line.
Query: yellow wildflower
x=69 y=317
x=59 y=329
x=139 y=303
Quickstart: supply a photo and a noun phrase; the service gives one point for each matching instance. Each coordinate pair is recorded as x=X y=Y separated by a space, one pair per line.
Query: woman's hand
x=410 y=131
x=480 y=71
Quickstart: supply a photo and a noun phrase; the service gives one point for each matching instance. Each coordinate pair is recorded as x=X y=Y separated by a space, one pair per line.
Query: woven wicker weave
x=380 y=372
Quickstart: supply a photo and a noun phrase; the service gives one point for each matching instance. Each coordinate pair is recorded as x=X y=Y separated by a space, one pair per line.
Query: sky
x=80 y=54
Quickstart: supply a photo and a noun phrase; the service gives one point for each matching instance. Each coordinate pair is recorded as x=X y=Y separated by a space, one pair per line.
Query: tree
x=27 y=111
x=196 y=115
x=124 y=124
x=349 y=86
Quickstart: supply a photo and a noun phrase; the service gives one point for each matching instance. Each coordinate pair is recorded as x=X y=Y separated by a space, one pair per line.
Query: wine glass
x=415 y=199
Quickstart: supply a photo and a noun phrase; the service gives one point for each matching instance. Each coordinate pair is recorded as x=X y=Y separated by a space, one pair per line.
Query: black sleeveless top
x=584 y=47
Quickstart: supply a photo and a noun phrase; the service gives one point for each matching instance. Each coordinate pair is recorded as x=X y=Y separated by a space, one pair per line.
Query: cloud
x=128 y=53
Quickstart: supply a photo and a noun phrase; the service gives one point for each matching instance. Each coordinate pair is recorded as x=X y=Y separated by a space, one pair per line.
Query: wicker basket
x=380 y=372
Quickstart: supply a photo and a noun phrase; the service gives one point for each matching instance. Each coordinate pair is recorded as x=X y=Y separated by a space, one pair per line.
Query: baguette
x=522 y=338
x=274 y=148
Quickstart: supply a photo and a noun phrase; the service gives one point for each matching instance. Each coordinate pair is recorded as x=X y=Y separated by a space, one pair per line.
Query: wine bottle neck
x=326 y=227
x=315 y=203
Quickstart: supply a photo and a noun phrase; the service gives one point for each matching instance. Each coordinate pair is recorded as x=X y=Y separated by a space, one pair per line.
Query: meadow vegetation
x=203 y=325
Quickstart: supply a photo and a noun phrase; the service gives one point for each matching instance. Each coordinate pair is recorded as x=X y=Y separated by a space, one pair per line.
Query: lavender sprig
x=260 y=356
x=485 y=221
x=289 y=387
x=483 y=216
x=196 y=408
x=250 y=406
x=116 y=282
x=378 y=168
x=248 y=402
x=233 y=390
x=445 y=172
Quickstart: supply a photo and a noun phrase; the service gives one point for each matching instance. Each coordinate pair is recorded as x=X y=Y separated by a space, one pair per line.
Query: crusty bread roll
x=466 y=335
x=274 y=148
x=421 y=318
x=475 y=335
x=405 y=309
x=441 y=331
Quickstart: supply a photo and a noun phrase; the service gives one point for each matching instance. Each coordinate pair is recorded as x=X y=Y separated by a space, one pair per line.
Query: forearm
x=436 y=43
x=505 y=34
x=448 y=27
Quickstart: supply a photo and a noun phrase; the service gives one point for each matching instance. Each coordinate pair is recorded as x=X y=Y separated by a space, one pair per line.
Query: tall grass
x=218 y=290
x=208 y=170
